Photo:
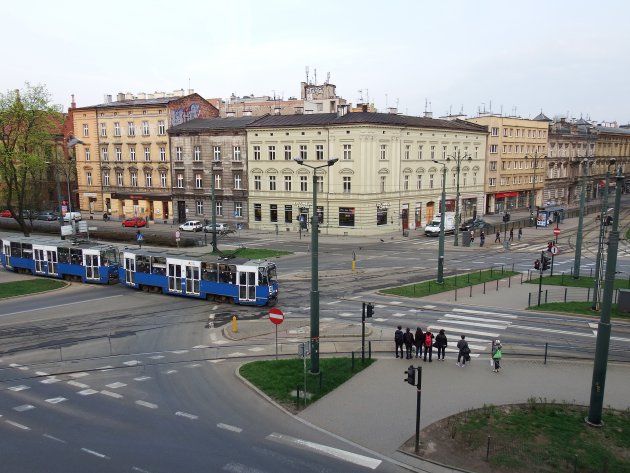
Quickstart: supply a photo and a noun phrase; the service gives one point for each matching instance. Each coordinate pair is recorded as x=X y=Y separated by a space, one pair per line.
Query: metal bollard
x=510 y=281
x=369 y=350
x=456 y=294
x=529 y=300
x=484 y=287
x=470 y=295
x=297 y=399
x=497 y=284
x=565 y=294
x=546 y=294
x=588 y=294
x=353 y=362
x=521 y=278
x=488 y=449
x=546 y=347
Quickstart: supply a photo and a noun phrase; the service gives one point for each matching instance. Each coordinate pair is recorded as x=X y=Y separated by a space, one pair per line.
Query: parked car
x=134 y=222
x=76 y=216
x=48 y=216
x=191 y=226
x=219 y=228
x=473 y=224
x=5 y=213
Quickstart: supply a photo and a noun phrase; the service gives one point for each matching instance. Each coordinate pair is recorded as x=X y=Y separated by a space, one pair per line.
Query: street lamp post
x=315 y=267
x=458 y=158
x=532 y=196
x=214 y=210
x=578 y=237
x=440 y=268
x=602 y=232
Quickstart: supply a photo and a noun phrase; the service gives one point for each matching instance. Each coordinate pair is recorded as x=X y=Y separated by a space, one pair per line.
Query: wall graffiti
x=182 y=115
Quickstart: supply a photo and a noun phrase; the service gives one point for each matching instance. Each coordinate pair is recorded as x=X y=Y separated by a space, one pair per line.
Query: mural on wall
x=182 y=115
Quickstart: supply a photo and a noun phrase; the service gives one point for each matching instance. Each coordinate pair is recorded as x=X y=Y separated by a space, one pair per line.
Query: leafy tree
x=29 y=124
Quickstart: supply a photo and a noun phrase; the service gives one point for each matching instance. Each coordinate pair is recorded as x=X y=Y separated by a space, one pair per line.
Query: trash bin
x=466 y=238
x=405 y=233
x=623 y=301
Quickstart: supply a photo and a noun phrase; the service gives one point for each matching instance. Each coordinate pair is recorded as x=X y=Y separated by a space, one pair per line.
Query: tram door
x=130 y=269
x=247 y=285
x=91 y=263
x=174 y=277
x=51 y=257
x=7 y=254
x=193 y=272
x=39 y=256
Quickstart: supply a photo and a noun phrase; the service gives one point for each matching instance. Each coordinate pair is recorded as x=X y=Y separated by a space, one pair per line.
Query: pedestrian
x=482 y=239
x=417 y=340
x=428 y=344
x=472 y=236
x=497 y=354
x=440 y=344
x=464 y=352
x=497 y=238
x=511 y=235
x=520 y=234
x=398 y=340
x=408 y=339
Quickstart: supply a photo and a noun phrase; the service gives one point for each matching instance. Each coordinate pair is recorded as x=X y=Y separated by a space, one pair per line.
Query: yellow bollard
x=234 y=328
x=354 y=265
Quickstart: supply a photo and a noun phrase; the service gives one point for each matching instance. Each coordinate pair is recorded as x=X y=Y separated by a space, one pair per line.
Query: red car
x=5 y=213
x=134 y=222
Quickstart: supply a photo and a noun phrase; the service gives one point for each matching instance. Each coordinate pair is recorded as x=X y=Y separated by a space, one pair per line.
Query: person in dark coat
x=440 y=344
x=417 y=341
x=428 y=344
x=464 y=351
x=497 y=238
x=408 y=339
x=482 y=238
x=398 y=340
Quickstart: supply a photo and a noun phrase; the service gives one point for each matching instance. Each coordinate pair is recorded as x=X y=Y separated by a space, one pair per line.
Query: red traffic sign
x=276 y=316
x=556 y=231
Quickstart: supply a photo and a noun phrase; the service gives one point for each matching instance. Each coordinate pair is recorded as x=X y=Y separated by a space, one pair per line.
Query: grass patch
x=279 y=379
x=546 y=436
x=30 y=286
x=581 y=308
x=567 y=280
x=254 y=253
x=426 y=288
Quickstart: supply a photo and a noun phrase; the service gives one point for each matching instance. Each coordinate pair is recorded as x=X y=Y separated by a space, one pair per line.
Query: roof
x=138 y=102
x=207 y=124
x=359 y=118
x=616 y=131
x=541 y=117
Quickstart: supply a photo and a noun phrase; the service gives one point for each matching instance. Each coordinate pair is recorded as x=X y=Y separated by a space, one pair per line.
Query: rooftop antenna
x=315 y=74
x=189 y=83
x=367 y=95
x=397 y=100
x=450 y=110
x=328 y=78
x=484 y=107
x=461 y=110
x=361 y=95
x=386 y=102
x=307 y=74
x=490 y=105
x=426 y=105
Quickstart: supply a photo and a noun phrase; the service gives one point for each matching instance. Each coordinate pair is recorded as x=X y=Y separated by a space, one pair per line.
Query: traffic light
x=549 y=245
x=411 y=375
x=546 y=263
x=370 y=310
x=537 y=264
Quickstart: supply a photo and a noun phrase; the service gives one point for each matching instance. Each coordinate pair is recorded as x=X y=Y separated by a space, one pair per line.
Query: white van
x=76 y=216
x=433 y=228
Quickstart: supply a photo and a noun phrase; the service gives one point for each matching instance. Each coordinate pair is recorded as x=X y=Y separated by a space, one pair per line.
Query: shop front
x=148 y=206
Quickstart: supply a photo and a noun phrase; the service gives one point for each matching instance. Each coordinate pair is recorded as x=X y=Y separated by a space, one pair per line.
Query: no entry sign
x=276 y=316
x=556 y=231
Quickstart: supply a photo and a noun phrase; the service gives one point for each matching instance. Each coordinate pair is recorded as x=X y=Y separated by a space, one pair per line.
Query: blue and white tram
x=239 y=281
x=41 y=256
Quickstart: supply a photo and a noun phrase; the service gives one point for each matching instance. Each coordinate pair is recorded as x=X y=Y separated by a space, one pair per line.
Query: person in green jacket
x=496 y=355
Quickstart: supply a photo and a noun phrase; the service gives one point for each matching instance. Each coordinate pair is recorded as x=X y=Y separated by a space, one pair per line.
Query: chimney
x=428 y=114
x=342 y=110
x=277 y=110
x=191 y=91
x=247 y=113
x=120 y=96
x=73 y=104
x=230 y=114
x=141 y=95
x=392 y=110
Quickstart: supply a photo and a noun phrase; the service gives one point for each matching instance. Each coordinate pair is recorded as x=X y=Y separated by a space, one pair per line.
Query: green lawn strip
x=426 y=288
x=254 y=253
x=30 y=286
x=582 y=308
x=540 y=434
x=567 y=280
x=279 y=379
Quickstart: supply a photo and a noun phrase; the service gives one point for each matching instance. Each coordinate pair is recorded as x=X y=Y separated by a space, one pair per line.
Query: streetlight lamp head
x=332 y=161
x=300 y=161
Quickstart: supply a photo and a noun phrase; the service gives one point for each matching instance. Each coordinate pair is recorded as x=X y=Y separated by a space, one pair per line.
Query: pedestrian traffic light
x=370 y=310
x=546 y=263
x=549 y=245
x=411 y=375
x=537 y=264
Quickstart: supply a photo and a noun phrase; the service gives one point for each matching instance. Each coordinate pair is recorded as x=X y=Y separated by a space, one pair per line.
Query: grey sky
x=558 y=56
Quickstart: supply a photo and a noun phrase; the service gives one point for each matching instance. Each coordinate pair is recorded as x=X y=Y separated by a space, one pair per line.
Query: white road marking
x=551 y=330
x=436 y=328
x=395 y=302
x=235 y=354
x=346 y=314
x=179 y=352
x=105 y=368
x=78 y=385
x=233 y=467
x=115 y=385
x=221 y=342
x=170 y=371
x=200 y=347
x=156 y=357
x=15 y=424
x=23 y=408
x=429 y=307
x=78 y=375
x=142 y=378
x=96 y=454
x=195 y=365
x=132 y=363
x=87 y=392
x=327 y=319
x=21 y=387
x=343 y=455
x=380 y=319
x=187 y=415
x=482 y=312
x=254 y=349
x=380 y=306
x=41 y=373
x=56 y=400
x=24 y=368
x=50 y=380
x=333 y=302
x=594 y=327
x=111 y=394
x=474 y=324
x=60 y=305
x=139 y=470
x=478 y=319
x=150 y=405
x=218 y=360
x=56 y=439
x=231 y=428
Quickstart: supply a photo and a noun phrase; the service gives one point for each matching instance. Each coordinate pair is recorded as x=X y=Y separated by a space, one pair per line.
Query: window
x=119 y=178
x=420 y=152
x=148 y=179
x=131 y=129
x=103 y=129
x=163 y=179
x=197 y=153
x=432 y=153
x=287 y=153
x=256 y=153
x=272 y=183
x=303 y=152
x=219 y=207
x=494 y=131
x=237 y=153
x=465 y=179
x=431 y=181
x=406 y=182
x=87 y=154
x=238 y=181
x=106 y=178
x=381 y=215
x=104 y=153
x=493 y=165
x=132 y=153
x=178 y=153
x=419 y=182
x=198 y=181
x=257 y=183
x=147 y=153
x=238 y=209
x=383 y=183
x=347 y=184
x=199 y=207
x=383 y=151
x=88 y=178
x=319 y=152
x=287 y=183
x=273 y=213
x=116 y=129
x=347 y=152
x=493 y=149
x=258 y=212
x=346 y=216
x=505 y=149
x=272 y=153
x=161 y=128
x=407 y=151
x=216 y=153
x=320 y=183
x=476 y=152
x=288 y=214
x=118 y=153
x=443 y=152
x=492 y=182
x=304 y=183
x=86 y=130
x=134 y=179
x=162 y=153
x=217 y=181
x=505 y=132
x=145 y=128
x=511 y=131
x=179 y=181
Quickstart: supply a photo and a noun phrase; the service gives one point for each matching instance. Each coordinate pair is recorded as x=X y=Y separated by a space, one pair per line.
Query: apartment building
x=385 y=178
x=123 y=160
x=515 y=166
x=613 y=142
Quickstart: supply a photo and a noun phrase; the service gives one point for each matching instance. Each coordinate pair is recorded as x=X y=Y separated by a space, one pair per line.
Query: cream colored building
x=385 y=179
x=514 y=146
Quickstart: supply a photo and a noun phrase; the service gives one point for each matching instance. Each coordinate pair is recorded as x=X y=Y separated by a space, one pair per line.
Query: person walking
x=417 y=341
x=520 y=234
x=398 y=340
x=408 y=339
x=497 y=354
x=440 y=344
x=497 y=238
x=511 y=235
x=482 y=238
x=428 y=345
x=464 y=351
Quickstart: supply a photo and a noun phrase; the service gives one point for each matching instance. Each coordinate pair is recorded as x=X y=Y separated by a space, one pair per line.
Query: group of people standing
x=423 y=342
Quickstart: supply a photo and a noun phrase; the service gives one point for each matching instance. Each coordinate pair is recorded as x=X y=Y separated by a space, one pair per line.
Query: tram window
x=210 y=272
x=16 y=249
x=158 y=265
x=143 y=264
x=63 y=255
x=262 y=277
x=27 y=251
x=76 y=256
x=271 y=273
x=110 y=256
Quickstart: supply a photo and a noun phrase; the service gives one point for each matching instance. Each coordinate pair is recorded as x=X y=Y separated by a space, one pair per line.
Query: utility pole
x=458 y=158
x=440 y=274
x=578 y=237
x=602 y=235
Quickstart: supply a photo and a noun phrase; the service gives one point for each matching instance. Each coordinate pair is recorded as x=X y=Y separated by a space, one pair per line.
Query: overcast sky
x=562 y=57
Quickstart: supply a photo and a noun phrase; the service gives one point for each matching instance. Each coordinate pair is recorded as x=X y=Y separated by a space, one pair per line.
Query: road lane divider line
x=96 y=454
x=231 y=428
x=60 y=305
x=19 y=426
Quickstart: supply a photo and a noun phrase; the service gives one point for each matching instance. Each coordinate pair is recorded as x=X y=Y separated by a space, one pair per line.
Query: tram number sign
x=554 y=250
x=276 y=316
x=556 y=231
